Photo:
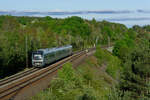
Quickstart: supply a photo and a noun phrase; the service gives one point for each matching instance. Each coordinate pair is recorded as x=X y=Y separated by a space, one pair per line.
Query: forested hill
x=17 y=33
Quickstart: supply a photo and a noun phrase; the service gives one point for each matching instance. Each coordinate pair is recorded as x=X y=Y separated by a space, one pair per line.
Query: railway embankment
x=92 y=79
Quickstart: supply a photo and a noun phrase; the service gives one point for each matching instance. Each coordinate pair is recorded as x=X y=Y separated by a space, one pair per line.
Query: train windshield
x=37 y=55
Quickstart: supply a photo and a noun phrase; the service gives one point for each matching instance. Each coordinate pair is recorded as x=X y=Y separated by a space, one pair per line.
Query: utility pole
x=26 y=51
x=97 y=38
x=108 y=41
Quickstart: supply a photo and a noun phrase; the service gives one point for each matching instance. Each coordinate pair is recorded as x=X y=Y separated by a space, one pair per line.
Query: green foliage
x=67 y=73
x=100 y=55
x=123 y=47
x=114 y=67
x=114 y=94
x=136 y=69
x=113 y=63
x=132 y=34
x=74 y=26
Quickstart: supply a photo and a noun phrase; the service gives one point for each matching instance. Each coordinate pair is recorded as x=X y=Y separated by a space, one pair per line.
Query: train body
x=46 y=56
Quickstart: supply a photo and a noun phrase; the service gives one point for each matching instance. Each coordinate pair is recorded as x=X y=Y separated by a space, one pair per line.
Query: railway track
x=10 y=87
x=17 y=76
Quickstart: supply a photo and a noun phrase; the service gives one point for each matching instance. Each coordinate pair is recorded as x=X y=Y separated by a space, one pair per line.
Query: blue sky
x=45 y=5
x=141 y=17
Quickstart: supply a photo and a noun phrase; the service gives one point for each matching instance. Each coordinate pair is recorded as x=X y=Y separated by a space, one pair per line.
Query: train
x=43 y=57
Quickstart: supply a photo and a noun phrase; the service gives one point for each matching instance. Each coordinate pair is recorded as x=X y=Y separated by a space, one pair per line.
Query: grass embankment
x=87 y=82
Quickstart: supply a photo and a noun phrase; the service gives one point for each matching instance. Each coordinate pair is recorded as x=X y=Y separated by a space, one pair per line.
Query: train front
x=37 y=59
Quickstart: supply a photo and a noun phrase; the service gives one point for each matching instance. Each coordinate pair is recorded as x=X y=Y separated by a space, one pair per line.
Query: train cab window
x=37 y=57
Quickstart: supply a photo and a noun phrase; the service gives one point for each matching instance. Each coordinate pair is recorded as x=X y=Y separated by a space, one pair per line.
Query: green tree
x=137 y=73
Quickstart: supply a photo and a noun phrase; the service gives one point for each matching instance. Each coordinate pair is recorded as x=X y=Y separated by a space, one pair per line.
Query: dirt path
x=103 y=69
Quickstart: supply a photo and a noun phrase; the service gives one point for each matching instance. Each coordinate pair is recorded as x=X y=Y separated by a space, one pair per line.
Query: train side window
x=46 y=56
x=64 y=51
x=67 y=50
x=56 y=53
x=51 y=55
x=59 y=52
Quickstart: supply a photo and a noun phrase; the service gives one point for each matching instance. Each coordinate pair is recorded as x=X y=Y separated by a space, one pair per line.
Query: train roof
x=48 y=50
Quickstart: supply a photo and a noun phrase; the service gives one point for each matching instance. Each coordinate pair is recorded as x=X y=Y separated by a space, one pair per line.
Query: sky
x=86 y=5
x=45 y=5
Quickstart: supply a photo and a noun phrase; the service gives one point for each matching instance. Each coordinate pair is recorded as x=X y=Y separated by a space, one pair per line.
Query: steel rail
x=17 y=76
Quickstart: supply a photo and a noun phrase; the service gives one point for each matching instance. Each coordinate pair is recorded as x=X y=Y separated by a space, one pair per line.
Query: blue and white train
x=44 y=57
